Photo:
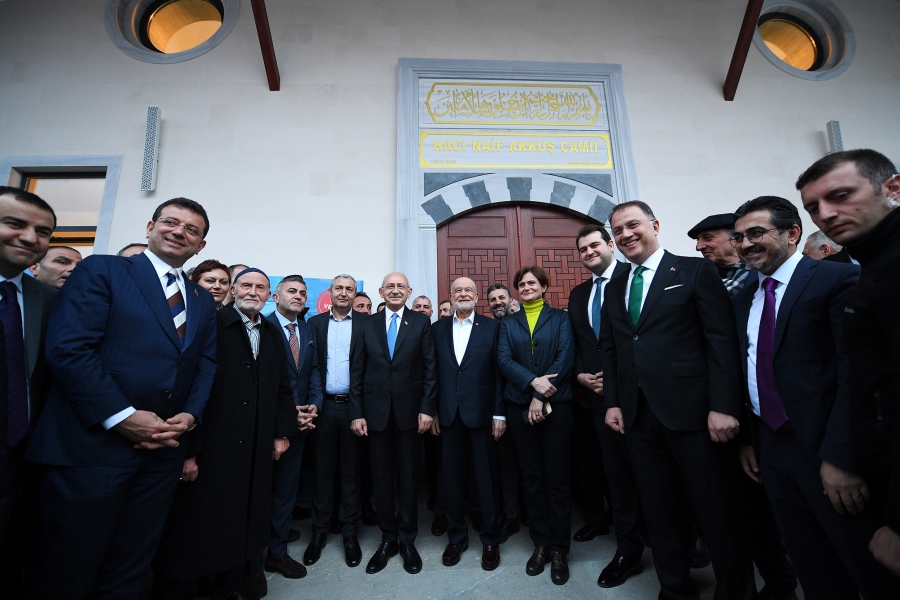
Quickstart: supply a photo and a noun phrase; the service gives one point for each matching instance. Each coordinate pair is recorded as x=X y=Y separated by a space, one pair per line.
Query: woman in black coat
x=536 y=354
x=221 y=519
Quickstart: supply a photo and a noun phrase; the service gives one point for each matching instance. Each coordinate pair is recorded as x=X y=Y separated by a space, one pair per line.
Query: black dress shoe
x=699 y=553
x=352 y=552
x=439 y=525
x=559 y=568
x=535 y=564
x=369 y=518
x=508 y=527
x=380 y=559
x=618 y=570
x=490 y=557
x=314 y=550
x=589 y=532
x=287 y=566
x=453 y=553
x=293 y=536
x=412 y=562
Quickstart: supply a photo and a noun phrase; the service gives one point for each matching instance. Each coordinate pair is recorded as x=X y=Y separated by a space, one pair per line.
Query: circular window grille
x=809 y=39
x=169 y=31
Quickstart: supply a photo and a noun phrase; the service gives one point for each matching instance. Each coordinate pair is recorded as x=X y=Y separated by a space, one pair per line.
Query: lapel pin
x=406 y=322
x=196 y=293
x=673 y=268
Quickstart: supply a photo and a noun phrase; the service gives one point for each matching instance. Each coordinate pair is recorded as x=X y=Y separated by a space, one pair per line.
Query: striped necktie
x=293 y=343
x=176 y=304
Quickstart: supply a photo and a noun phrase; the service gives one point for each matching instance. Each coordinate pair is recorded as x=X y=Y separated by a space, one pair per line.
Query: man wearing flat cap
x=713 y=235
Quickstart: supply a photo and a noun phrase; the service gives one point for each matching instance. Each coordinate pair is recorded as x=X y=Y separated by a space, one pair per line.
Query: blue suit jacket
x=306 y=382
x=474 y=387
x=810 y=360
x=111 y=344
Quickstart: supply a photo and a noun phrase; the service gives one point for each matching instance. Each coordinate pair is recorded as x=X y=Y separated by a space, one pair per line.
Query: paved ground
x=331 y=579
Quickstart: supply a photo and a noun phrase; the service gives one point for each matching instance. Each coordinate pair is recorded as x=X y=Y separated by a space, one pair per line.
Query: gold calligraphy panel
x=479 y=103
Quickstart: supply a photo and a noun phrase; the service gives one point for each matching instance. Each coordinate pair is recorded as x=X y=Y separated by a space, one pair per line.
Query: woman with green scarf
x=536 y=354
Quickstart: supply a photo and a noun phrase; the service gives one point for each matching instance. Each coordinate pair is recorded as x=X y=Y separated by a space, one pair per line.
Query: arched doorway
x=491 y=244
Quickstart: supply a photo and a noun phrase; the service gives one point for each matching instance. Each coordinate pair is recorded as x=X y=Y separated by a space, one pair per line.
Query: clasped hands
x=305 y=415
x=149 y=432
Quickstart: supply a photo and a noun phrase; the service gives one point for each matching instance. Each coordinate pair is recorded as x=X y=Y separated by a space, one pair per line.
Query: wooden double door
x=491 y=244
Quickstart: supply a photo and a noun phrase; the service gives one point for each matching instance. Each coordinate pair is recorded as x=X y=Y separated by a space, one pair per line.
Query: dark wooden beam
x=265 y=43
x=745 y=37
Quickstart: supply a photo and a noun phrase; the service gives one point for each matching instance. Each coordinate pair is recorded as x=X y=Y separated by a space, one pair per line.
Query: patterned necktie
x=176 y=304
x=771 y=408
x=635 y=295
x=595 y=306
x=392 y=335
x=16 y=386
x=293 y=343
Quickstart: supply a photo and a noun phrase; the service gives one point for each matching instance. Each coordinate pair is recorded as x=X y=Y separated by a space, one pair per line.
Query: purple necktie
x=771 y=408
x=16 y=387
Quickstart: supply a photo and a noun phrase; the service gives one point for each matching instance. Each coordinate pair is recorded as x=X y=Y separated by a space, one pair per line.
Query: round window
x=174 y=26
x=809 y=39
x=792 y=41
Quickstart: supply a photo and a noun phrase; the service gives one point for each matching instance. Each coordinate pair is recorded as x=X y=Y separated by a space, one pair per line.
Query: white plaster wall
x=303 y=180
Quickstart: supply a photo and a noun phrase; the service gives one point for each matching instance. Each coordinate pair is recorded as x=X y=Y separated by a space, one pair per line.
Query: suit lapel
x=193 y=311
x=742 y=304
x=380 y=325
x=473 y=336
x=802 y=275
x=402 y=330
x=273 y=318
x=667 y=270
x=542 y=318
x=144 y=275
x=32 y=301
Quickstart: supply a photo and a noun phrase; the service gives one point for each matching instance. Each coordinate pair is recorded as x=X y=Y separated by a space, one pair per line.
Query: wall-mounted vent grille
x=835 y=143
x=151 y=150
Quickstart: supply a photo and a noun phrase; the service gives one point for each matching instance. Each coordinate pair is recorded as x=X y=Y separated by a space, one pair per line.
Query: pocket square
x=311 y=343
x=672 y=287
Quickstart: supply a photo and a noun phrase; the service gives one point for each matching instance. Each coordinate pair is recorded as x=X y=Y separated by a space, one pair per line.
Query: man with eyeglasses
x=470 y=418
x=132 y=345
x=713 y=235
x=672 y=386
x=789 y=319
x=393 y=399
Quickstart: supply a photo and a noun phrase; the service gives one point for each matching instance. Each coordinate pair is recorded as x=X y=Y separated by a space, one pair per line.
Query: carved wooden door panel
x=490 y=245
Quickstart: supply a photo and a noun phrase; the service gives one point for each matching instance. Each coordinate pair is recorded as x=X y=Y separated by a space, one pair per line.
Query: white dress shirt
x=387 y=317
x=161 y=270
x=783 y=276
x=606 y=275
x=652 y=266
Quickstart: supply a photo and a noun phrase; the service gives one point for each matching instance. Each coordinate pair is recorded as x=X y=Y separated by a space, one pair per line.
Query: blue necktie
x=595 y=306
x=392 y=335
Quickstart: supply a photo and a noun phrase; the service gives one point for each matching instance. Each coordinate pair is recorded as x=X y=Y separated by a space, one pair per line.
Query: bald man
x=56 y=266
x=393 y=399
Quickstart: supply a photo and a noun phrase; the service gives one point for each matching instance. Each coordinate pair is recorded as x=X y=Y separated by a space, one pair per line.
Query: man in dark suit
x=393 y=398
x=789 y=322
x=470 y=418
x=26 y=224
x=337 y=449
x=131 y=344
x=672 y=386
x=306 y=383
x=595 y=249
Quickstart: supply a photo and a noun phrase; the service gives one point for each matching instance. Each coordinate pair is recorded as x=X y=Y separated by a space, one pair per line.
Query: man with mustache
x=713 y=235
x=853 y=196
x=393 y=399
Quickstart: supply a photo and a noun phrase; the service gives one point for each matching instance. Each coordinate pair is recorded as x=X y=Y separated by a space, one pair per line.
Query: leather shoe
x=618 y=570
x=255 y=584
x=453 y=553
x=352 y=552
x=314 y=550
x=293 y=536
x=559 y=568
x=699 y=553
x=412 y=562
x=508 y=527
x=490 y=557
x=380 y=559
x=287 y=566
x=589 y=532
x=535 y=564
x=439 y=525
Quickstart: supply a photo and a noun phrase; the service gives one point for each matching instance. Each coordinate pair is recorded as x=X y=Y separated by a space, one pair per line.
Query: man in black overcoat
x=220 y=517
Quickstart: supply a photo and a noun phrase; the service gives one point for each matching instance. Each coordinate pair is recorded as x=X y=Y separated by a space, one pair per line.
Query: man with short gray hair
x=819 y=247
